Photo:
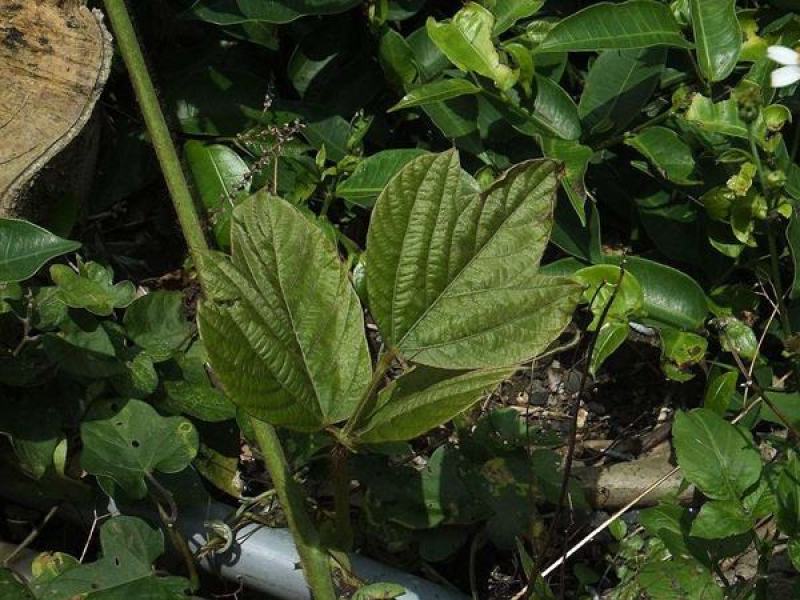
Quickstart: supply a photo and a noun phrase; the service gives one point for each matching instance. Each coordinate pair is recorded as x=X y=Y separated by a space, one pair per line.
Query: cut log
x=54 y=61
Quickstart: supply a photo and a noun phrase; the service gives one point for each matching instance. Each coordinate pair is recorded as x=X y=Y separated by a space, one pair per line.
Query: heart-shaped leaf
x=452 y=273
x=282 y=324
x=25 y=248
x=125 y=571
x=126 y=441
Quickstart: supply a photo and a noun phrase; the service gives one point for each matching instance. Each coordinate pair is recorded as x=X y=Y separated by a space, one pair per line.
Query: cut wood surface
x=54 y=61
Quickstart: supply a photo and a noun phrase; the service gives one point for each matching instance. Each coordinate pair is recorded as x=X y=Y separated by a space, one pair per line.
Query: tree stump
x=55 y=57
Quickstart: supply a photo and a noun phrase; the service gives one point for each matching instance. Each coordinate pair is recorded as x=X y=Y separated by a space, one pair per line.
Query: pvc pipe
x=265 y=559
x=262 y=558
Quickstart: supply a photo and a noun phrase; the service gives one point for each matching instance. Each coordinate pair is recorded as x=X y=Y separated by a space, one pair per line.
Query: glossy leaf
x=610 y=337
x=554 y=111
x=670 y=296
x=605 y=26
x=397 y=58
x=508 y=12
x=25 y=248
x=221 y=179
x=720 y=391
x=282 y=324
x=466 y=40
x=373 y=173
x=719 y=458
x=619 y=84
x=229 y=12
x=423 y=400
x=127 y=440
x=717 y=36
x=130 y=546
x=436 y=91
x=668 y=153
x=452 y=275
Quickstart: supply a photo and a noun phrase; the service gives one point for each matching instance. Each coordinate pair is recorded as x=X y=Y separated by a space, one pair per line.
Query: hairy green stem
x=157 y=127
x=313 y=557
x=340 y=477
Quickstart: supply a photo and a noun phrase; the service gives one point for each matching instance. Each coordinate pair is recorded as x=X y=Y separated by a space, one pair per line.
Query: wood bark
x=54 y=61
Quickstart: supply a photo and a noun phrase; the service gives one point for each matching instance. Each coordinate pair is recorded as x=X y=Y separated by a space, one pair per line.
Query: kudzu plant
x=452 y=281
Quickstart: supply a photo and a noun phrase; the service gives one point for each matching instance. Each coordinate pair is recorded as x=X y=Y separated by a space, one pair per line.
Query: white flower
x=790 y=72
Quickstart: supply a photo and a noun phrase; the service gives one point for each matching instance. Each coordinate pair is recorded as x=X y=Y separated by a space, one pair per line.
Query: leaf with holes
x=453 y=275
x=282 y=324
x=127 y=440
x=125 y=571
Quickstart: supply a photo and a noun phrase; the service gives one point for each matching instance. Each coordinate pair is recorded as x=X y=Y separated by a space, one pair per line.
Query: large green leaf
x=719 y=458
x=127 y=440
x=281 y=323
x=554 y=111
x=467 y=41
x=157 y=322
x=606 y=25
x=125 y=571
x=436 y=91
x=25 y=248
x=619 y=84
x=453 y=274
x=424 y=399
x=231 y=12
x=221 y=179
x=717 y=35
x=373 y=173
x=667 y=152
x=508 y=12
x=670 y=296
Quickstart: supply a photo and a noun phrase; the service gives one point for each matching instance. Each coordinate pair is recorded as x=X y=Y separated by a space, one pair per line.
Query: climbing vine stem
x=313 y=557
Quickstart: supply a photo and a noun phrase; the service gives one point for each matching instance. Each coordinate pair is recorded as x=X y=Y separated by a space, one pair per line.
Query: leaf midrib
x=476 y=197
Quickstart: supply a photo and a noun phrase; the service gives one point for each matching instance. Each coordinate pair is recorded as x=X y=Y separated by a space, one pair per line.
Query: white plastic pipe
x=265 y=559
